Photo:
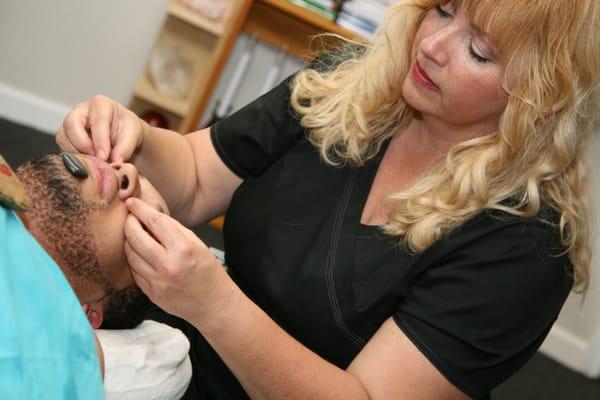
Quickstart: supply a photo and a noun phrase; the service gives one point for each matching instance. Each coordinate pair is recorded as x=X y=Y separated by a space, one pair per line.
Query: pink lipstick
x=421 y=77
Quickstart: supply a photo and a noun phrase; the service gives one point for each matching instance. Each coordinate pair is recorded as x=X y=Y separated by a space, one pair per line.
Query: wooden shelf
x=216 y=28
x=206 y=44
x=196 y=46
x=217 y=222
x=141 y=106
x=281 y=23
x=312 y=18
x=145 y=90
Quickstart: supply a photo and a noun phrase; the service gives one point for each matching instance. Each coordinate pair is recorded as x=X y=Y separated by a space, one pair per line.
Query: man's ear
x=95 y=313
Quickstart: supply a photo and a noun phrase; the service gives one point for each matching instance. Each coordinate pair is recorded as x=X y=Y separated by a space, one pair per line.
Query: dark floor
x=540 y=379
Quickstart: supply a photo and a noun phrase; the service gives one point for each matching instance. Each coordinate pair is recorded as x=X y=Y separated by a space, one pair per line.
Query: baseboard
x=571 y=351
x=29 y=109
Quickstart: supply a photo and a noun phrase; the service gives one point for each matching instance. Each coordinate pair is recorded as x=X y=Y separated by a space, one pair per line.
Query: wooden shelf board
x=145 y=90
x=312 y=18
x=196 y=47
x=182 y=12
x=217 y=222
x=277 y=27
x=141 y=106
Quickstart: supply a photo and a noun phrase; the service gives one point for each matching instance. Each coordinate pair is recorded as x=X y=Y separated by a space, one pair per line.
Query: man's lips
x=422 y=78
x=107 y=183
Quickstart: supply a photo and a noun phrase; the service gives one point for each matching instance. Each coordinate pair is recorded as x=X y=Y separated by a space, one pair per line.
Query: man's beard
x=125 y=308
x=59 y=217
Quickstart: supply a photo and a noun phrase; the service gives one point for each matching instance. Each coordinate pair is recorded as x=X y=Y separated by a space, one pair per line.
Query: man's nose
x=128 y=179
x=437 y=45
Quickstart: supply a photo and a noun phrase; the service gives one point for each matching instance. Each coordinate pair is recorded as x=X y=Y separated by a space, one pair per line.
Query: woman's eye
x=478 y=57
x=444 y=11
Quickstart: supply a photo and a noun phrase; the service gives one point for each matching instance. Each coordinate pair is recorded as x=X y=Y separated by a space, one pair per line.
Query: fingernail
x=129 y=202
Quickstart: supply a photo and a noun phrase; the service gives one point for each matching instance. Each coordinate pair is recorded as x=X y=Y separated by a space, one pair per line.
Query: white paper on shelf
x=236 y=79
x=274 y=73
x=365 y=9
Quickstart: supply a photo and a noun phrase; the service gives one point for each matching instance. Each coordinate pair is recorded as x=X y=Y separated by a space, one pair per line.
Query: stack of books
x=328 y=9
x=363 y=16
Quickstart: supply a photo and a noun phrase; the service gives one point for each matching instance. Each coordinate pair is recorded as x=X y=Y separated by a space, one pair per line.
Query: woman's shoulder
x=547 y=218
x=495 y=233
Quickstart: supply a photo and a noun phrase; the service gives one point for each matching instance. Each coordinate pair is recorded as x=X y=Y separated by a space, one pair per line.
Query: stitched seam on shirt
x=230 y=163
x=445 y=370
x=331 y=258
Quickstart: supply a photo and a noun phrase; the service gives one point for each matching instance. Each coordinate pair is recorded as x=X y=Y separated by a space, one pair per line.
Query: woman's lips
x=422 y=78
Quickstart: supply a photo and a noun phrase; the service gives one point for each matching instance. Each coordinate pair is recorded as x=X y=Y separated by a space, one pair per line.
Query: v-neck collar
x=364 y=182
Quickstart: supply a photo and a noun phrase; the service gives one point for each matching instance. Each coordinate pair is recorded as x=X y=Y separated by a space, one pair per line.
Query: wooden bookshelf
x=217 y=28
x=283 y=23
x=309 y=17
x=207 y=44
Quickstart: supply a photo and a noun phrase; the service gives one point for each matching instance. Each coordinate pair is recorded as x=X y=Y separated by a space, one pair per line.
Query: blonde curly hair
x=551 y=51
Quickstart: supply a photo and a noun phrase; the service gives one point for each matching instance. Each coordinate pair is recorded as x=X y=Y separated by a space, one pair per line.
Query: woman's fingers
x=101 y=127
x=138 y=263
x=142 y=283
x=142 y=243
x=100 y=118
x=72 y=136
x=160 y=225
x=141 y=271
x=126 y=135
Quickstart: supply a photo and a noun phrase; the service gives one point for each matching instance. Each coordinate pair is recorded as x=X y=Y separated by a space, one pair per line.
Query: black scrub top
x=477 y=303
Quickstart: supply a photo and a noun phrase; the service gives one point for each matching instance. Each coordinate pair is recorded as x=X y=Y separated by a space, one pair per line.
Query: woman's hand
x=172 y=265
x=103 y=128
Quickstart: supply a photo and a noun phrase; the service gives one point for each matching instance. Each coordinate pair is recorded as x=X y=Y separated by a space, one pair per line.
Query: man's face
x=107 y=187
x=80 y=221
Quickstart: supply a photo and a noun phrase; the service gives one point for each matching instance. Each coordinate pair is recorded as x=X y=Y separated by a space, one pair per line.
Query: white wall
x=575 y=339
x=56 y=53
x=61 y=52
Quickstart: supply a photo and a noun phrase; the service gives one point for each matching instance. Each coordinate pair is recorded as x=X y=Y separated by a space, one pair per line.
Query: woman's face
x=455 y=73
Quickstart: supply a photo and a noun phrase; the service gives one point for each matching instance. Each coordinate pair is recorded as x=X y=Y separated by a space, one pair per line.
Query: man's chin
x=125 y=308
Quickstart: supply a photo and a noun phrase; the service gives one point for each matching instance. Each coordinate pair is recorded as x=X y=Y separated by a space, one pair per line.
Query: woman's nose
x=128 y=179
x=436 y=46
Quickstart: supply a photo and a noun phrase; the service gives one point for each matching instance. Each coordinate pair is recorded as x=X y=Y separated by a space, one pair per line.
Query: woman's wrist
x=219 y=309
x=143 y=155
x=145 y=132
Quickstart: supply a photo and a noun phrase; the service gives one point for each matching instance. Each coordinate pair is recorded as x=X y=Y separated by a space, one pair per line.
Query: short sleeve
x=250 y=139
x=487 y=301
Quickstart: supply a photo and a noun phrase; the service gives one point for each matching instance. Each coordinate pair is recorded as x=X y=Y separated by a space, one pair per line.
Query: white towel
x=150 y=362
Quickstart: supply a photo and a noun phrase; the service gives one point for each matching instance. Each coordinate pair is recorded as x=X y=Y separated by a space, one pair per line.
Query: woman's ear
x=95 y=313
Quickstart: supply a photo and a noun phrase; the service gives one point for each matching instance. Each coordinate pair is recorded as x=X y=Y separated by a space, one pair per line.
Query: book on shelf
x=328 y=9
x=362 y=16
x=360 y=26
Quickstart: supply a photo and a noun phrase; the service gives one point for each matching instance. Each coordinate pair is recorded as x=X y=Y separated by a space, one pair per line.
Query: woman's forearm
x=166 y=159
x=268 y=362
x=188 y=172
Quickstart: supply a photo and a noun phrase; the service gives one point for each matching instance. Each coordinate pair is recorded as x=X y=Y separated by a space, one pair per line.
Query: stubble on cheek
x=59 y=217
